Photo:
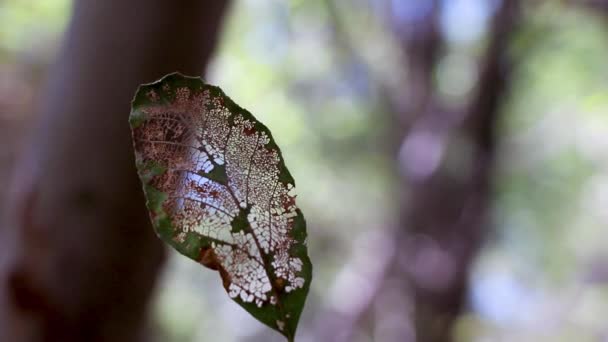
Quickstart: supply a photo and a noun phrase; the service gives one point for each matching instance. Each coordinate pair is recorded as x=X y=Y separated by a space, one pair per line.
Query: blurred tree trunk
x=78 y=258
x=446 y=156
x=445 y=209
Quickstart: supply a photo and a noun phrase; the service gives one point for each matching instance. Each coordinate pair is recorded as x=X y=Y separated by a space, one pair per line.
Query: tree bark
x=79 y=258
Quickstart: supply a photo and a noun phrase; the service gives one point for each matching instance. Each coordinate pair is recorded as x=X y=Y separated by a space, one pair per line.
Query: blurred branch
x=447 y=218
x=421 y=43
x=421 y=47
x=444 y=213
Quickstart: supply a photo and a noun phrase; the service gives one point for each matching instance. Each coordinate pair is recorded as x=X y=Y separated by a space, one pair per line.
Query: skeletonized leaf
x=218 y=191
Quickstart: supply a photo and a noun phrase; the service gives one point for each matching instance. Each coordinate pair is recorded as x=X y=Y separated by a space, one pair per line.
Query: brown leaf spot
x=279 y=284
x=208 y=258
x=152 y=95
x=248 y=130
x=226 y=279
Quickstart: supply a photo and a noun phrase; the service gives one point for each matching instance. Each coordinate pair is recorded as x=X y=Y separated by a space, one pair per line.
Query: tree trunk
x=445 y=213
x=79 y=258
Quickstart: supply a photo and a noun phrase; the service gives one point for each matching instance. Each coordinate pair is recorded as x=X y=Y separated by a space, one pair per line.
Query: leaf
x=218 y=191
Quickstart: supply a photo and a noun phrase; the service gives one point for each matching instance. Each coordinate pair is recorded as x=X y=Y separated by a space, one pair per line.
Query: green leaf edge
x=294 y=301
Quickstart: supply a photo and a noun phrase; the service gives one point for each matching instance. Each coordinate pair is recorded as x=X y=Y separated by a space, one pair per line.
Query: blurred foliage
x=544 y=275
x=28 y=26
x=316 y=74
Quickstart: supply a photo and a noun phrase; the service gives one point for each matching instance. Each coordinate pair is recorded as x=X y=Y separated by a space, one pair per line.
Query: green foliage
x=218 y=191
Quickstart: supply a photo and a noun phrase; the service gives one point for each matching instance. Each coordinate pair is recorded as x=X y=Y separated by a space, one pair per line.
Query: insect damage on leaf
x=218 y=191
